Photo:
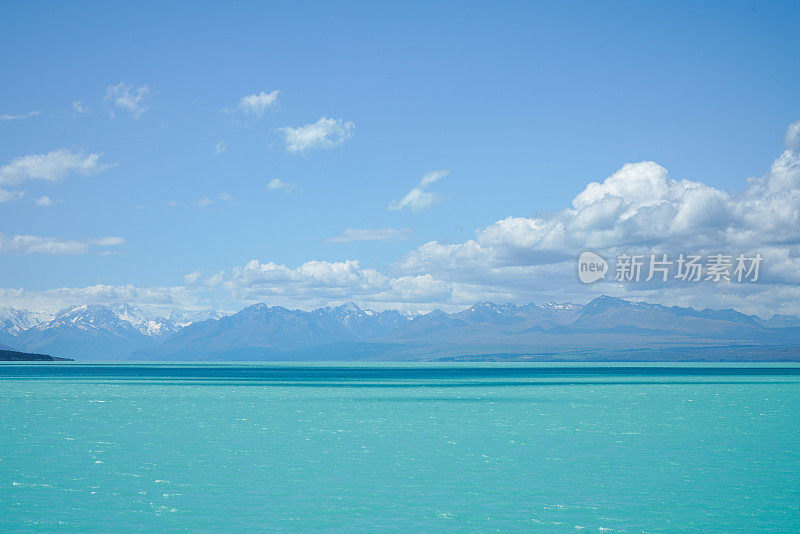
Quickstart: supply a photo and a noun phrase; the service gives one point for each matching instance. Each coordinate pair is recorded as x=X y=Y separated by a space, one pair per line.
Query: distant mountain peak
x=605 y=302
x=14 y=321
x=782 y=321
x=349 y=306
x=107 y=331
x=491 y=306
x=110 y=317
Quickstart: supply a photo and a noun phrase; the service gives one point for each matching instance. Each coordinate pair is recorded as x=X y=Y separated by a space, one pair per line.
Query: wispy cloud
x=44 y=201
x=276 y=184
x=8 y=196
x=135 y=100
x=79 y=107
x=418 y=199
x=202 y=202
x=432 y=177
x=370 y=234
x=220 y=147
x=52 y=300
x=256 y=104
x=53 y=166
x=33 y=244
x=20 y=116
x=205 y=201
x=323 y=134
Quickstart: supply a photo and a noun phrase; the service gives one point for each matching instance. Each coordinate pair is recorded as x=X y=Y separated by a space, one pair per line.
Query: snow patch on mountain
x=13 y=320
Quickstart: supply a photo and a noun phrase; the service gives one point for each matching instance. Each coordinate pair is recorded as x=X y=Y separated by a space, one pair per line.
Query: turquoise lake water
x=399 y=448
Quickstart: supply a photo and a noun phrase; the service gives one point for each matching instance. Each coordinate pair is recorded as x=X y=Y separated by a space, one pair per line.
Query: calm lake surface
x=400 y=448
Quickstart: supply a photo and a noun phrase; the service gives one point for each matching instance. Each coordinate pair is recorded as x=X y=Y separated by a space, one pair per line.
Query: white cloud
x=32 y=244
x=316 y=283
x=44 y=201
x=20 y=116
x=276 y=184
x=53 y=300
x=193 y=277
x=639 y=210
x=220 y=147
x=202 y=202
x=369 y=234
x=415 y=200
x=107 y=241
x=319 y=283
x=256 y=104
x=418 y=199
x=325 y=133
x=792 y=137
x=432 y=177
x=53 y=166
x=135 y=100
x=79 y=107
x=8 y=196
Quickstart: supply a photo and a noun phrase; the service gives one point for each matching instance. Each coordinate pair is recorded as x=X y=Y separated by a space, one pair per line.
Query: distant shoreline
x=16 y=356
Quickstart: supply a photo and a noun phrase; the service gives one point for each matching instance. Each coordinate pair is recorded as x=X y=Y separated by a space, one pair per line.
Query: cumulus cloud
x=20 y=116
x=44 y=201
x=323 y=134
x=33 y=244
x=256 y=104
x=317 y=283
x=418 y=199
x=639 y=209
x=370 y=234
x=641 y=206
x=52 y=167
x=276 y=184
x=135 y=100
x=193 y=277
x=792 y=137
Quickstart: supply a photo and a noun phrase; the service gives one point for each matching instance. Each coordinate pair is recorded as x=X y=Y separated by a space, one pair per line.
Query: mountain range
x=606 y=328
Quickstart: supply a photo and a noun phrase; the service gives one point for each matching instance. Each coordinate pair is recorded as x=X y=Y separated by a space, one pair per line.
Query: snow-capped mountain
x=181 y=318
x=113 y=317
x=98 y=331
x=349 y=332
x=363 y=324
x=13 y=320
x=260 y=331
x=489 y=312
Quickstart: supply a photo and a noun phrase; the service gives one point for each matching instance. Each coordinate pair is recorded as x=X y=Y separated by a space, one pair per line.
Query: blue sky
x=524 y=104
